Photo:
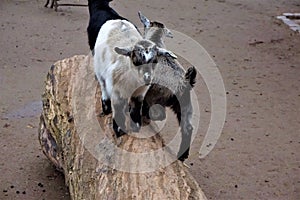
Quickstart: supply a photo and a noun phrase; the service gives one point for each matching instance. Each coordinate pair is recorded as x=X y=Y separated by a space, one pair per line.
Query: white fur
x=115 y=33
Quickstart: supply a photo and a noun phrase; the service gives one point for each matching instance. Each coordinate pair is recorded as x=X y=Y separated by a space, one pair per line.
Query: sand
x=257 y=155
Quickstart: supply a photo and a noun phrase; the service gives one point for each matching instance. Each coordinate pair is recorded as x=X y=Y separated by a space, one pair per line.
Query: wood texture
x=82 y=145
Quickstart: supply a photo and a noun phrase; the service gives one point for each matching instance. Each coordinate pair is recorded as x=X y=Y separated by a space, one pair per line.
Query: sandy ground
x=257 y=156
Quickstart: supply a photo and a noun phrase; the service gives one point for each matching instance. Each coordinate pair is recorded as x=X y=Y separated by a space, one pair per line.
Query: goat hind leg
x=184 y=119
x=184 y=149
x=47 y=3
x=105 y=99
x=52 y=3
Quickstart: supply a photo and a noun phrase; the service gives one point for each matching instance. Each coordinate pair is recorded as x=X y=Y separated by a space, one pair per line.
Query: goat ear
x=144 y=20
x=168 y=33
x=190 y=75
x=165 y=52
x=123 y=51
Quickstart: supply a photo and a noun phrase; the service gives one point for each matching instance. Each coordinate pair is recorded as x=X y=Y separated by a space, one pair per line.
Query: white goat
x=124 y=64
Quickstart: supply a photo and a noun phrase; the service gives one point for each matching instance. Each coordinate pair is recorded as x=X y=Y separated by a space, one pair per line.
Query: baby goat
x=100 y=12
x=124 y=63
x=170 y=87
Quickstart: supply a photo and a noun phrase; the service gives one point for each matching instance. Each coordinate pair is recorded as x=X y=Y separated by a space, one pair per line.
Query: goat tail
x=190 y=75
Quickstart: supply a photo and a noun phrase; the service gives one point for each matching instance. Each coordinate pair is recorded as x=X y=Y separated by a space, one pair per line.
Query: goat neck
x=155 y=35
x=95 y=5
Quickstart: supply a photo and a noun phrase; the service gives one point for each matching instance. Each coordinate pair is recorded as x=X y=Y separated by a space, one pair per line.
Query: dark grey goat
x=171 y=87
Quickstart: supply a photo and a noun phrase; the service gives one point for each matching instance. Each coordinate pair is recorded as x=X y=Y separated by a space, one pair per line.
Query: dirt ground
x=257 y=156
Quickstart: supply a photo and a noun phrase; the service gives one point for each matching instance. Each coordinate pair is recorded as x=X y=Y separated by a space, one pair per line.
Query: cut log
x=82 y=144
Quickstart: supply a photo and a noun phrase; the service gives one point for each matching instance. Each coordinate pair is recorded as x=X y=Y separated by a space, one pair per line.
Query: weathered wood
x=82 y=145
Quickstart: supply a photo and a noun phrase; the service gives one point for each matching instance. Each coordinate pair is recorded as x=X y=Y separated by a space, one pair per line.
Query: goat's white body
x=113 y=71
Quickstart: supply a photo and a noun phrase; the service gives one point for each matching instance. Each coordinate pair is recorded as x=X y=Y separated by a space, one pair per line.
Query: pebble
x=40 y=185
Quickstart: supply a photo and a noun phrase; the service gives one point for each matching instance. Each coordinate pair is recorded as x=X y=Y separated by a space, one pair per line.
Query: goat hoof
x=118 y=130
x=146 y=120
x=183 y=157
x=106 y=107
x=135 y=127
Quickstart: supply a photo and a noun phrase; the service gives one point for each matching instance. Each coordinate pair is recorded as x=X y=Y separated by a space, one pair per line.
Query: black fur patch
x=106 y=106
x=191 y=75
x=157 y=24
x=100 y=12
x=135 y=113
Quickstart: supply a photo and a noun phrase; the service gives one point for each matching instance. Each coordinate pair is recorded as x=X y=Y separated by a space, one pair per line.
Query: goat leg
x=186 y=134
x=135 y=107
x=184 y=117
x=52 y=3
x=55 y=5
x=46 y=5
x=106 y=106
x=119 y=117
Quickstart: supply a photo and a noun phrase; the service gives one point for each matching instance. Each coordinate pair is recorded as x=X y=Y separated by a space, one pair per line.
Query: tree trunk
x=96 y=165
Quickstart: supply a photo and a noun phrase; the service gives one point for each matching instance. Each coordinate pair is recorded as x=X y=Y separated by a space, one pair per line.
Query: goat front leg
x=106 y=106
x=105 y=98
x=135 y=108
x=119 y=117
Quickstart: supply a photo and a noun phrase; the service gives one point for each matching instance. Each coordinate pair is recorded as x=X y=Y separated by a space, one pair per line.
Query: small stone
x=6 y=125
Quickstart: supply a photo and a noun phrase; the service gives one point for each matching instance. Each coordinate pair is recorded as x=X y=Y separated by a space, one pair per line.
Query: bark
x=96 y=165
